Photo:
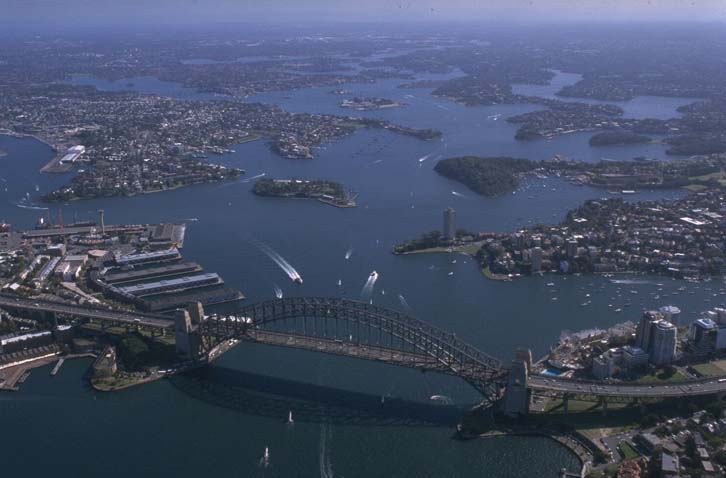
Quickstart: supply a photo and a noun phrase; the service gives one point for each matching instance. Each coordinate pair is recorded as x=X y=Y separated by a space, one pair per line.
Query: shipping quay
x=137 y=264
x=70 y=290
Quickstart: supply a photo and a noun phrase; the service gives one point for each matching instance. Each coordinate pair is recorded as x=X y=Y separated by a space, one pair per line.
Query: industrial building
x=179 y=284
x=148 y=257
x=69 y=269
x=149 y=273
x=72 y=154
x=167 y=235
x=16 y=343
x=209 y=295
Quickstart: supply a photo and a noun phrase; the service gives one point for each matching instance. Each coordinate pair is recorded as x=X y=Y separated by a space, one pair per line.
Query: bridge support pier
x=566 y=403
x=516 y=397
x=641 y=405
x=188 y=339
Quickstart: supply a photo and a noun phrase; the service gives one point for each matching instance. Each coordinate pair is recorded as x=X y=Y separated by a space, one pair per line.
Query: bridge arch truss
x=357 y=329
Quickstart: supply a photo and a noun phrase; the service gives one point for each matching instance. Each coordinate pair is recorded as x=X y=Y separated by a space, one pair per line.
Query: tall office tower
x=449 y=224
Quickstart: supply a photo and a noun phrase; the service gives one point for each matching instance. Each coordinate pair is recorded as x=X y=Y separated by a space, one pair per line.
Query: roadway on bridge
x=628 y=390
x=86 y=312
x=348 y=349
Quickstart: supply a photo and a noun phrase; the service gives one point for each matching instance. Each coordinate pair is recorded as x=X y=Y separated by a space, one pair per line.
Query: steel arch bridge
x=360 y=330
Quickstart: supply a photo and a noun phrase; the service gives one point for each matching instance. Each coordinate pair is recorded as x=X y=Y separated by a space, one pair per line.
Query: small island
x=369 y=104
x=327 y=192
x=617 y=138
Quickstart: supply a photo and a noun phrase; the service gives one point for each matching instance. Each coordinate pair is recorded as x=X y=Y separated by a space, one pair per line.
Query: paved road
x=86 y=312
x=73 y=230
x=693 y=388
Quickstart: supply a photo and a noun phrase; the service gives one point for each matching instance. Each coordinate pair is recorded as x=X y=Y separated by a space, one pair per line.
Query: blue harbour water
x=353 y=419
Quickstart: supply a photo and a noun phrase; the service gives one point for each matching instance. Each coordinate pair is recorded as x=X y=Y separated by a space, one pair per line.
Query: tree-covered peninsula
x=486 y=176
x=500 y=175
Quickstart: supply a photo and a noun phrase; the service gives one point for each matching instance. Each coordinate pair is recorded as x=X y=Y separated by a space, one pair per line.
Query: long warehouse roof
x=170 y=283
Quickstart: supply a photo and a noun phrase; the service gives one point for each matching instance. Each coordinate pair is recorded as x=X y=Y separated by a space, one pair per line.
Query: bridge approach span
x=691 y=388
x=114 y=316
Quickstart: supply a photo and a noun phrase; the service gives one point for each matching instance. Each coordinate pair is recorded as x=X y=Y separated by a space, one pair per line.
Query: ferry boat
x=373 y=276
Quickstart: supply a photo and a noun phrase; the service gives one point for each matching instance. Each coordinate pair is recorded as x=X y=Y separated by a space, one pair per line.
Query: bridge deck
x=347 y=349
x=86 y=312
x=622 y=390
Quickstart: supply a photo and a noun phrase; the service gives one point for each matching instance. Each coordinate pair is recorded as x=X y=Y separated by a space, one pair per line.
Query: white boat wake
x=30 y=206
x=326 y=465
x=441 y=399
x=424 y=158
x=367 y=291
x=281 y=262
x=265 y=458
x=630 y=281
x=254 y=177
x=404 y=304
x=458 y=194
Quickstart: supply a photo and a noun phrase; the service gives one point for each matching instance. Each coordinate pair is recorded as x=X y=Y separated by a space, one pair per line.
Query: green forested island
x=486 y=176
x=328 y=192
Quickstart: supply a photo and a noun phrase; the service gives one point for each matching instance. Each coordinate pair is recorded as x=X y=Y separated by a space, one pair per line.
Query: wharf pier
x=57 y=367
x=12 y=374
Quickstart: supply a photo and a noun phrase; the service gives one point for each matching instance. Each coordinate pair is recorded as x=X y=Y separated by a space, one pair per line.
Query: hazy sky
x=75 y=12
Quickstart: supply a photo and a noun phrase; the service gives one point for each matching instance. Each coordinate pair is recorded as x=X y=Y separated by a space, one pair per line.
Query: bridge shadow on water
x=275 y=397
